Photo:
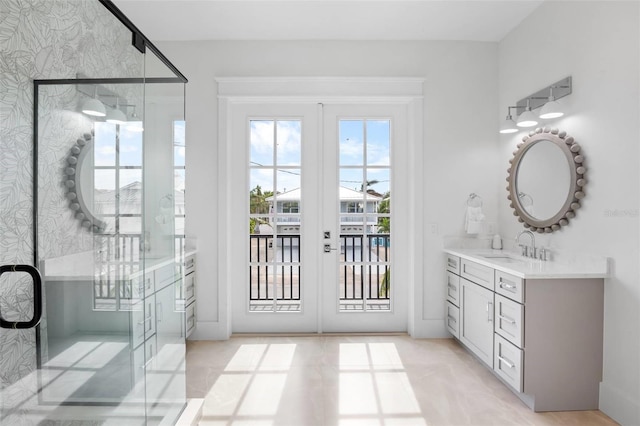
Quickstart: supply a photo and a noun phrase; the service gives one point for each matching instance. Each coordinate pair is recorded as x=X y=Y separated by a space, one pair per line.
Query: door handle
x=37 y=297
x=328 y=248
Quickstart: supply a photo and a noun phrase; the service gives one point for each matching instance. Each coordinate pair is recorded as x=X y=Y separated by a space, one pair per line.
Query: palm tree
x=384 y=227
x=258 y=204
x=384 y=224
x=367 y=184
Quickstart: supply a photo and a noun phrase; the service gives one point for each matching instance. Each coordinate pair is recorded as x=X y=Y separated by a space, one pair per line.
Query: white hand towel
x=473 y=220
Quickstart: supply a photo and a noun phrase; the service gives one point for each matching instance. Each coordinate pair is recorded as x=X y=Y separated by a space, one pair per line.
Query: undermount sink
x=501 y=258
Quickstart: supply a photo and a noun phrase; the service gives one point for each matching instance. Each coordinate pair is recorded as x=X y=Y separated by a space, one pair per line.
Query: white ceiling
x=476 y=20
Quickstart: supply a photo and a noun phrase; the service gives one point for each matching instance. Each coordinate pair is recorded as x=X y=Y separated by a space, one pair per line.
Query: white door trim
x=334 y=90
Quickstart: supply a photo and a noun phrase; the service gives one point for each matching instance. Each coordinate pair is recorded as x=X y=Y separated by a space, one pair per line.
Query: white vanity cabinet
x=476 y=320
x=452 y=305
x=189 y=292
x=540 y=333
x=469 y=308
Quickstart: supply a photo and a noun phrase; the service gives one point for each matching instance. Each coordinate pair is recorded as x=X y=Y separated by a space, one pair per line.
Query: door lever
x=328 y=248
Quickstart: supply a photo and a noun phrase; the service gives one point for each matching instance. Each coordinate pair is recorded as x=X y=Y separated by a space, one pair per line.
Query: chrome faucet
x=528 y=251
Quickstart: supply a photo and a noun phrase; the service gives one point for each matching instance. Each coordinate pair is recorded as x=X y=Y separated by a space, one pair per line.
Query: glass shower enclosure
x=99 y=308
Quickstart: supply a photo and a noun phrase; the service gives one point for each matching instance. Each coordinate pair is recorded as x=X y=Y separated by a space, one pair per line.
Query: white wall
x=598 y=44
x=459 y=144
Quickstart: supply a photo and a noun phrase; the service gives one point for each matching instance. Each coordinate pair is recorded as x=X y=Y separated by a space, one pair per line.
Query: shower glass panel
x=94 y=338
x=164 y=244
x=112 y=337
x=88 y=198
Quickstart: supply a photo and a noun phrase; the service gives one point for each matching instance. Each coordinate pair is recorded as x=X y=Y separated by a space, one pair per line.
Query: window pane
x=131 y=225
x=288 y=182
x=104 y=146
x=378 y=182
x=261 y=142
x=260 y=190
x=178 y=156
x=179 y=142
x=105 y=194
x=351 y=139
x=130 y=199
x=378 y=142
x=130 y=147
x=289 y=143
x=179 y=225
x=179 y=181
x=351 y=179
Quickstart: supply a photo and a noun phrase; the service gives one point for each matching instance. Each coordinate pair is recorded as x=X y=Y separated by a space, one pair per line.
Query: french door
x=314 y=247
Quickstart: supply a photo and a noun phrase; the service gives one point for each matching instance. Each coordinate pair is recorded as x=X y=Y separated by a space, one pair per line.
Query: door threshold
x=346 y=333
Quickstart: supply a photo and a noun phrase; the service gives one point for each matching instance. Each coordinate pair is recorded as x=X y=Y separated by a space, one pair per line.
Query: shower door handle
x=37 y=297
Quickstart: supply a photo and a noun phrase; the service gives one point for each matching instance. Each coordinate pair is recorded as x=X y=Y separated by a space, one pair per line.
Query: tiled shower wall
x=44 y=39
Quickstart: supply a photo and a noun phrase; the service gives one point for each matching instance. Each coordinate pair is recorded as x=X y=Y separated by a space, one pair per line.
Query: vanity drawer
x=509 y=320
x=508 y=363
x=453 y=288
x=166 y=275
x=510 y=286
x=189 y=288
x=142 y=285
x=477 y=273
x=189 y=264
x=453 y=264
x=452 y=318
x=190 y=319
x=143 y=319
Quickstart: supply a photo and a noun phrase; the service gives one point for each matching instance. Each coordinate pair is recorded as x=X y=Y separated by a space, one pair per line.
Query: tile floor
x=354 y=380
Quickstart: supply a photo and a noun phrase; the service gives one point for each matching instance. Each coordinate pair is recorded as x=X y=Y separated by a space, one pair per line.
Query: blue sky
x=130 y=154
x=352 y=135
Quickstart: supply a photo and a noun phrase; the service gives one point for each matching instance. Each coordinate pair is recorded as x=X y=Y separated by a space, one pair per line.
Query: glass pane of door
x=360 y=294
x=272 y=243
x=275 y=215
x=364 y=211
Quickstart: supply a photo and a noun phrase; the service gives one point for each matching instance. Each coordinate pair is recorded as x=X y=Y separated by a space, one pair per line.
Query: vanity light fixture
x=115 y=115
x=552 y=108
x=508 y=125
x=527 y=119
x=544 y=99
x=93 y=106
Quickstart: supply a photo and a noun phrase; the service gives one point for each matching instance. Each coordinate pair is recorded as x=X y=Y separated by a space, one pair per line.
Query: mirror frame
x=73 y=183
x=577 y=170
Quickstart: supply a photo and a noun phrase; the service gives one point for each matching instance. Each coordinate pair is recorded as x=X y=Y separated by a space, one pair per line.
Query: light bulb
x=94 y=108
x=551 y=109
x=527 y=119
x=115 y=116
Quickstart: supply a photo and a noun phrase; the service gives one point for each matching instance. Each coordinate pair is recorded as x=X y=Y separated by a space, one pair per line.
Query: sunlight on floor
x=251 y=387
x=374 y=387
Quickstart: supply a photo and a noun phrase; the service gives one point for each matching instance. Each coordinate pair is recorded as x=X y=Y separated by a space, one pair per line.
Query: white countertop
x=82 y=267
x=524 y=267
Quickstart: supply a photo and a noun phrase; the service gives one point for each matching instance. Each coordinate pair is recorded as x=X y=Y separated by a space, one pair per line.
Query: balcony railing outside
x=365 y=272
x=118 y=257
x=274 y=272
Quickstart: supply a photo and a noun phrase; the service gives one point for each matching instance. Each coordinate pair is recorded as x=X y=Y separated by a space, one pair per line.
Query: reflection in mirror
x=546 y=180
x=543 y=175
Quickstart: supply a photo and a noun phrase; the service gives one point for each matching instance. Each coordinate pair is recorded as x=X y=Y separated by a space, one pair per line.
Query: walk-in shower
x=93 y=324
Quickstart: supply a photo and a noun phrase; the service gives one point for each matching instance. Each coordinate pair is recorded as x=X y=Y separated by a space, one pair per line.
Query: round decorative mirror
x=546 y=180
x=78 y=180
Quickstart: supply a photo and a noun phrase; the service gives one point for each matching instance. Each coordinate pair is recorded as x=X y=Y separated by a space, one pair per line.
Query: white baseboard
x=423 y=329
x=209 y=330
x=429 y=329
x=618 y=405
